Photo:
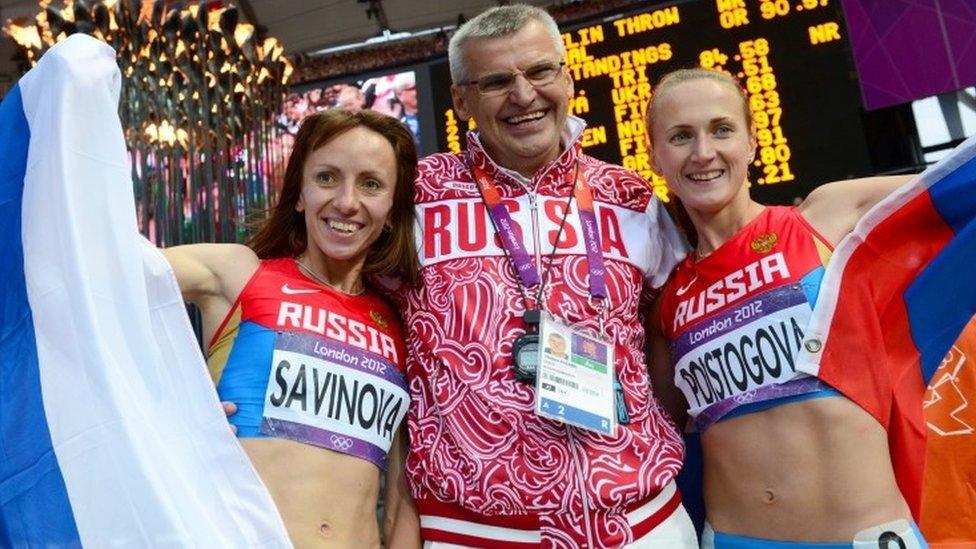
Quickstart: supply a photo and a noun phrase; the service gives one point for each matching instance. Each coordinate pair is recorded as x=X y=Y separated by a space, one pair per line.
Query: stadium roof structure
x=310 y=27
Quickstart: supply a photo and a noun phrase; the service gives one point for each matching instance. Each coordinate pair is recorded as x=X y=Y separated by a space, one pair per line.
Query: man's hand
x=230 y=409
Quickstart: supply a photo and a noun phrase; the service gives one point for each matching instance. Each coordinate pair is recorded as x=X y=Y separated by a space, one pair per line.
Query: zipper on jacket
x=582 y=485
x=534 y=210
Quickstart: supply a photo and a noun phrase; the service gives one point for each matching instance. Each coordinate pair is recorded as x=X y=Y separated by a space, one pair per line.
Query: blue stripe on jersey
x=246 y=387
x=767 y=404
x=811 y=284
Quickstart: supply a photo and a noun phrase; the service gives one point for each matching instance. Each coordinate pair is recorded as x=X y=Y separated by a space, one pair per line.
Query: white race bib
x=334 y=396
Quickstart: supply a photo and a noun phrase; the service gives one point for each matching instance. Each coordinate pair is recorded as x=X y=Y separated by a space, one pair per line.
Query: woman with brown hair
x=788 y=460
x=310 y=354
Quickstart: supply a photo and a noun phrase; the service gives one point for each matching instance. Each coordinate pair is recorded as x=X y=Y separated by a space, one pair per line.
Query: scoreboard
x=791 y=56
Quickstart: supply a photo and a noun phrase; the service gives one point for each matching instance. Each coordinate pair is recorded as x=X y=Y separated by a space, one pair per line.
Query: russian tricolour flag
x=897 y=293
x=110 y=431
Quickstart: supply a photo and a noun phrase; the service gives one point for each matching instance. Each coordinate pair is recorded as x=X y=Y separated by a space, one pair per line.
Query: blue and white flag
x=111 y=434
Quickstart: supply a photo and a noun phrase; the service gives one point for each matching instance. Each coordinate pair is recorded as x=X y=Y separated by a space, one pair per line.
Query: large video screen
x=792 y=57
x=394 y=94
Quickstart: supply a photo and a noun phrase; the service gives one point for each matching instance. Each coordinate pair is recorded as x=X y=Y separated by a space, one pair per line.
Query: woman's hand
x=230 y=409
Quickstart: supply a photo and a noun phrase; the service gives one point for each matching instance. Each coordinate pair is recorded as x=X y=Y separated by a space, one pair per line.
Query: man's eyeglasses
x=539 y=74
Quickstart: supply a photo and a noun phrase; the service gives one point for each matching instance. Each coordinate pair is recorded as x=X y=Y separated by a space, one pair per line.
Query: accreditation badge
x=575 y=377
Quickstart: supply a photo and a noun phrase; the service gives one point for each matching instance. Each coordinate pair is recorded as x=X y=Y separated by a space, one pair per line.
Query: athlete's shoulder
x=781 y=214
x=281 y=265
x=270 y=275
x=790 y=223
x=781 y=211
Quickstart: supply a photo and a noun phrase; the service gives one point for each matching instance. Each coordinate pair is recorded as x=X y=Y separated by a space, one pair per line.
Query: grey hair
x=498 y=22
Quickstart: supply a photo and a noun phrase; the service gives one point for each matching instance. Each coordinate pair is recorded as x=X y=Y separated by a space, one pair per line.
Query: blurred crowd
x=393 y=94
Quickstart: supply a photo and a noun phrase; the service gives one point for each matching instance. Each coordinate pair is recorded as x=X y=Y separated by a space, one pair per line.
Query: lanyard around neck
x=515 y=249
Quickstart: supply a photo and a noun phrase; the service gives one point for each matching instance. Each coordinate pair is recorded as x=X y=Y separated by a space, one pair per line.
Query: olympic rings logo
x=341 y=443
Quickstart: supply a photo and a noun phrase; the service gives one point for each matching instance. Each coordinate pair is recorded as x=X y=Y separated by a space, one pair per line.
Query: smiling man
x=523 y=235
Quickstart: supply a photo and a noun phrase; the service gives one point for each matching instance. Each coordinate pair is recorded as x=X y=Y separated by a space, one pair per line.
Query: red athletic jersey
x=475 y=441
x=735 y=319
x=334 y=363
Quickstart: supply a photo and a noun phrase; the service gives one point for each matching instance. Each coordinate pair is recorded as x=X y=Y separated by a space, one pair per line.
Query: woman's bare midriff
x=814 y=470
x=327 y=499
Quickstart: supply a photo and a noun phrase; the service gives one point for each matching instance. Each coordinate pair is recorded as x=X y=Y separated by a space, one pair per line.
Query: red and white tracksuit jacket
x=483 y=466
